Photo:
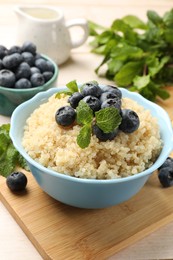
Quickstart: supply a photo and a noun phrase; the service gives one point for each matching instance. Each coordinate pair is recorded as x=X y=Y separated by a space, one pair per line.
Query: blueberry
x=29 y=47
x=7 y=78
x=47 y=75
x=3 y=51
x=91 y=89
x=168 y=163
x=112 y=103
x=1 y=65
x=108 y=95
x=165 y=176
x=104 y=136
x=130 y=121
x=65 y=116
x=35 y=70
x=74 y=99
x=38 y=56
x=41 y=64
x=50 y=66
x=14 y=49
x=37 y=79
x=28 y=57
x=23 y=71
x=11 y=61
x=112 y=89
x=92 y=102
x=23 y=84
x=16 y=181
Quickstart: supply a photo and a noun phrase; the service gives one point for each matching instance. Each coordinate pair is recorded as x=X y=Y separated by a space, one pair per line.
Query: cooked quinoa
x=56 y=148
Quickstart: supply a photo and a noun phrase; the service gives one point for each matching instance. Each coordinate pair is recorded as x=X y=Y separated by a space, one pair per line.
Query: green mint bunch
x=138 y=55
x=9 y=156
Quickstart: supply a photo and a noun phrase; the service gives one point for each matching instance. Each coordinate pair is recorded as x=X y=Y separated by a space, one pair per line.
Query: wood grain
x=62 y=232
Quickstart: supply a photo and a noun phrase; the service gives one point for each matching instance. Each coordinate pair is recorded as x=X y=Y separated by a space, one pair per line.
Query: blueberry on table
x=168 y=163
x=65 y=116
x=29 y=47
x=37 y=79
x=7 y=78
x=130 y=121
x=91 y=89
x=74 y=99
x=16 y=181
x=104 y=136
x=165 y=176
x=92 y=102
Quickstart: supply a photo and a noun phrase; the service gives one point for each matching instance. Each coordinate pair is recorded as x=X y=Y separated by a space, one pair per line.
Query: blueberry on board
x=3 y=51
x=23 y=84
x=130 y=121
x=34 y=70
x=112 y=102
x=168 y=163
x=108 y=95
x=7 y=78
x=93 y=102
x=37 y=79
x=112 y=89
x=16 y=181
x=65 y=116
x=74 y=99
x=41 y=64
x=14 y=49
x=23 y=71
x=165 y=176
x=29 y=47
x=91 y=89
x=13 y=60
x=104 y=136
x=47 y=75
x=28 y=57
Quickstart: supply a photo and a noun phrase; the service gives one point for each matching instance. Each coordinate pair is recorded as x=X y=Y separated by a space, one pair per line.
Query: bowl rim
x=42 y=97
x=27 y=90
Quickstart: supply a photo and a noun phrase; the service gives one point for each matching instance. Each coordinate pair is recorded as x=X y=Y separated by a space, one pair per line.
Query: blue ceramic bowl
x=89 y=193
x=10 y=98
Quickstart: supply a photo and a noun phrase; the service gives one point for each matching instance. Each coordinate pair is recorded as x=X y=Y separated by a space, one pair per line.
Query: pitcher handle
x=84 y=25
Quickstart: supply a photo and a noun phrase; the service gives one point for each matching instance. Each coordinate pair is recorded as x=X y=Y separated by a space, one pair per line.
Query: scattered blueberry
x=74 y=99
x=104 y=136
x=29 y=47
x=13 y=60
x=23 y=71
x=7 y=78
x=37 y=79
x=168 y=163
x=165 y=176
x=93 y=102
x=91 y=89
x=130 y=121
x=23 y=84
x=65 y=116
x=16 y=181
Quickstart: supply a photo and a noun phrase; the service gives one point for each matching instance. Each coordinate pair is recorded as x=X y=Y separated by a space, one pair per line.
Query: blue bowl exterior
x=10 y=98
x=87 y=193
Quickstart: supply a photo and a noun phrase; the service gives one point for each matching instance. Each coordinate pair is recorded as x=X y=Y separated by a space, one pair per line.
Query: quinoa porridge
x=56 y=148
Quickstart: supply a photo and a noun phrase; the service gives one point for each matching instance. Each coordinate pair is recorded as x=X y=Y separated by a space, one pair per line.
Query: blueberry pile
x=165 y=173
x=98 y=98
x=23 y=67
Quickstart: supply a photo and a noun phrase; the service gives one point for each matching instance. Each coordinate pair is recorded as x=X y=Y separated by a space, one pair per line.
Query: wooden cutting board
x=62 y=232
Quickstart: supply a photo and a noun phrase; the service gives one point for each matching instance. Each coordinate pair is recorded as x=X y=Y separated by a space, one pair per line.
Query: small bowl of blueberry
x=23 y=73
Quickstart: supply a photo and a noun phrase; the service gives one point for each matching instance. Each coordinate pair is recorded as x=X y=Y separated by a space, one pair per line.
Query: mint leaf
x=66 y=92
x=107 y=119
x=134 y=22
x=72 y=86
x=141 y=81
x=84 y=113
x=84 y=137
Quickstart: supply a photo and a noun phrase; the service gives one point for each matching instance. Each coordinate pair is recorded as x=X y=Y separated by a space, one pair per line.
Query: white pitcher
x=46 y=27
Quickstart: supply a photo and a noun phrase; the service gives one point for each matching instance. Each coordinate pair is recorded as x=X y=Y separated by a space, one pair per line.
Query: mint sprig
x=9 y=156
x=72 y=87
x=107 y=119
